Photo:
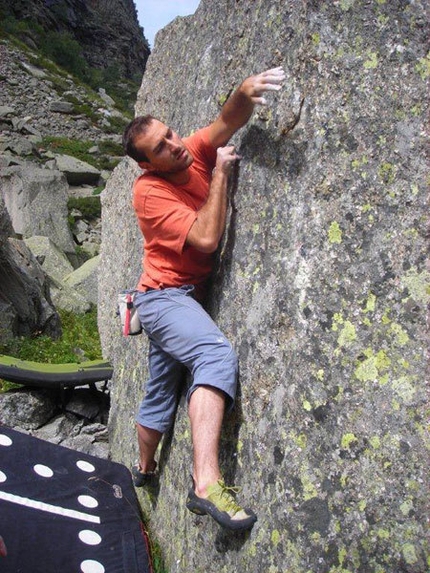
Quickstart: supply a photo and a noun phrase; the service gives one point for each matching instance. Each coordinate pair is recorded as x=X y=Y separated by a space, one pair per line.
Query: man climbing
x=181 y=203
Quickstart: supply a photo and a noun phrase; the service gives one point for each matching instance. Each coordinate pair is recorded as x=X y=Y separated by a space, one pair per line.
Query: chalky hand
x=255 y=86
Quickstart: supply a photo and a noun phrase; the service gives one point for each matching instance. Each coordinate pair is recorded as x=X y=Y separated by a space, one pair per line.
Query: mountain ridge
x=108 y=31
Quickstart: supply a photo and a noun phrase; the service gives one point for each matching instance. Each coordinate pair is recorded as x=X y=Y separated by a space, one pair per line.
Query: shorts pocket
x=148 y=308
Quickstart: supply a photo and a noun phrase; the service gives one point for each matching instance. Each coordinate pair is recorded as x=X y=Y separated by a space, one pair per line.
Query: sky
x=155 y=14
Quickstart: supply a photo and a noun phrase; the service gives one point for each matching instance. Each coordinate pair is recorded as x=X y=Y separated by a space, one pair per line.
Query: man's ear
x=145 y=165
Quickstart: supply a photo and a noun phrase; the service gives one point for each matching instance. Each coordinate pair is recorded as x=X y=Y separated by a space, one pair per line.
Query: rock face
x=25 y=304
x=78 y=422
x=57 y=268
x=77 y=172
x=84 y=280
x=321 y=286
x=36 y=200
x=107 y=30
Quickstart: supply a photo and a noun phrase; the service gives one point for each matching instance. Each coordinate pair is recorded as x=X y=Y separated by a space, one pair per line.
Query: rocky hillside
x=59 y=142
x=50 y=227
x=52 y=102
x=322 y=287
x=107 y=30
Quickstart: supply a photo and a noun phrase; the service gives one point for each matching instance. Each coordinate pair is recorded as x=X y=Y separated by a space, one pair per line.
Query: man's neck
x=179 y=178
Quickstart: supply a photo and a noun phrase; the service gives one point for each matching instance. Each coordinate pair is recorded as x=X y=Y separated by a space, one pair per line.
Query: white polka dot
x=85 y=466
x=2 y=477
x=91 y=566
x=88 y=501
x=43 y=471
x=89 y=537
x=5 y=440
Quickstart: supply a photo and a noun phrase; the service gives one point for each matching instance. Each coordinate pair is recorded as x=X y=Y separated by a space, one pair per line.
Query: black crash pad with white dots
x=65 y=511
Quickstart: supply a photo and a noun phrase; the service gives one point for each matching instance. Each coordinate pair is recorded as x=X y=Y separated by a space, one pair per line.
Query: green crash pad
x=53 y=375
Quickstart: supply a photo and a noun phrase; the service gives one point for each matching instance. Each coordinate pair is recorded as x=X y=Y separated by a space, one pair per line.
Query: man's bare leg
x=148 y=440
x=206 y=411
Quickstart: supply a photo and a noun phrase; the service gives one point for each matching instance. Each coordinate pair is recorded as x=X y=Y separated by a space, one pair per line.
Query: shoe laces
x=224 y=495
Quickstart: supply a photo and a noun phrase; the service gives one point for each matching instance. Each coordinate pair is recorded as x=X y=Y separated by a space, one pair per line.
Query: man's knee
x=220 y=373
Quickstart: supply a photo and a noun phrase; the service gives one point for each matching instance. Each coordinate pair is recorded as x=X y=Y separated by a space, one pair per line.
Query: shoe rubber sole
x=201 y=506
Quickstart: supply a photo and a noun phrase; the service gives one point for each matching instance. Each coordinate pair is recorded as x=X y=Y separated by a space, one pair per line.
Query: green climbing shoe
x=222 y=507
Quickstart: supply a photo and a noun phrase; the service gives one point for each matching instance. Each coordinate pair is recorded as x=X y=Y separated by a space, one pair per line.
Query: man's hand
x=268 y=81
x=239 y=107
x=226 y=158
x=207 y=230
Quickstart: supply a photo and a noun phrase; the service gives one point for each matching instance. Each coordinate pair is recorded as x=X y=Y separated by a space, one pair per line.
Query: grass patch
x=158 y=563
x=79 y=149
x=75 y=147
x=79 y=341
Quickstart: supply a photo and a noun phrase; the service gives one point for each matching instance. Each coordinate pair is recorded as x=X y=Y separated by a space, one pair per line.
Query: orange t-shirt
x=165 y=214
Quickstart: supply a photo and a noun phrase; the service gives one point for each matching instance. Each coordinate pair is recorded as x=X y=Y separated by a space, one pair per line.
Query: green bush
x=111 y=148
x=82 y=254
x=90 y=207
x=65 y=51
x=118 y=124
x=107 y=163
x=18 y=28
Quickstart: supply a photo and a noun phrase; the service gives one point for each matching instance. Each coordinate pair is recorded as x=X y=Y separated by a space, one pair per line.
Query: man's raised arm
x=239 y=107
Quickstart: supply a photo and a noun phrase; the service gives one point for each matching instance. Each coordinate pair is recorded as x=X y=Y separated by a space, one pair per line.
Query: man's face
x=164 y=149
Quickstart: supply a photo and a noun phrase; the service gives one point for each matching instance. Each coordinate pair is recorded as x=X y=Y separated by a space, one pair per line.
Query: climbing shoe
x=141 y=479
x=221 y=506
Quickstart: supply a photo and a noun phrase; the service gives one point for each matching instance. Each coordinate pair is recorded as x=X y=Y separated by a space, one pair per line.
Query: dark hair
x=137 y=127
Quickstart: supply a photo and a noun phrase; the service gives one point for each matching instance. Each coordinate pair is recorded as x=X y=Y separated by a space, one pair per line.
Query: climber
x=180 y=202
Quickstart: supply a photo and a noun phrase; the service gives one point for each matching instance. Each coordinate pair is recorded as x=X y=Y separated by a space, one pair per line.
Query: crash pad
x=63 y=510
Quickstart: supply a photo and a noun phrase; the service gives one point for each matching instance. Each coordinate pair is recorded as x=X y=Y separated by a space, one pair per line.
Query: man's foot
x=221 y=505
x=141 y=479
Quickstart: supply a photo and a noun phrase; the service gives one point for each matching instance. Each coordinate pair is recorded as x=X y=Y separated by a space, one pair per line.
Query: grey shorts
x=181 y=333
